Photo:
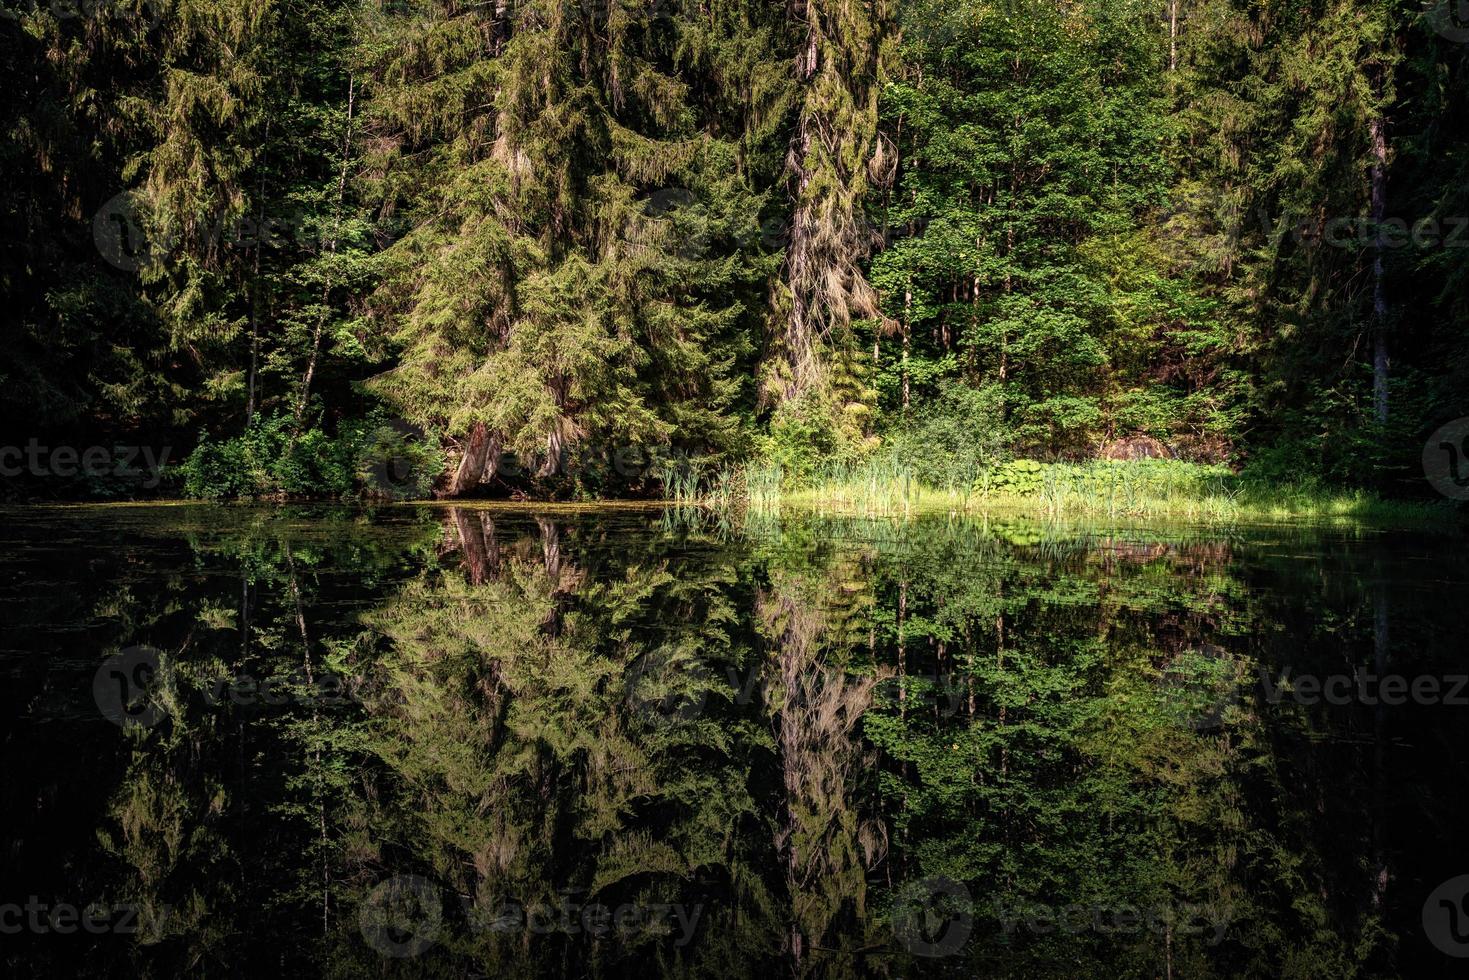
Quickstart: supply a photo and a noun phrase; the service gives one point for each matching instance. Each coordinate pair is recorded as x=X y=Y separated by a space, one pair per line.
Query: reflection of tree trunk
x=902 y=649
x=563 y=578
x=1379 y=738
x=316 y=751
x=1000 y=667
x=826 y=847
x=550 y=548
x=477 y=544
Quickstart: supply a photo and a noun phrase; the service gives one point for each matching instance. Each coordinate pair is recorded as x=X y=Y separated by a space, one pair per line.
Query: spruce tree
x=837 y=159
x=573 y=197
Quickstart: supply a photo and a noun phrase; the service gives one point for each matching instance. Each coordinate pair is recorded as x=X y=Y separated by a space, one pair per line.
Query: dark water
x=499 y=743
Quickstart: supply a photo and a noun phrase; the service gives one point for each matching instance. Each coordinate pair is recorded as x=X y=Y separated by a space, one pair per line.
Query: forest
x=651 y=248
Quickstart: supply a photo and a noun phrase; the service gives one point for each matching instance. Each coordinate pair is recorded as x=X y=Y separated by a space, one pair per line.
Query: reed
x=1146 y=489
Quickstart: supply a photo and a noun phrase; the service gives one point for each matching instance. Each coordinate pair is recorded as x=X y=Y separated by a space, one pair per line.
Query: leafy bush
x=806 y=438
x=1107 y=479
x=371 y=457
x=948 y=441
x=395 y=461
x=1019 y=476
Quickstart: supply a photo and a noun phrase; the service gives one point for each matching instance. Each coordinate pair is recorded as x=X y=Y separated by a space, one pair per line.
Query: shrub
x=371 y=457
x=1019 y=476
x=805 y=438
x=951 y=439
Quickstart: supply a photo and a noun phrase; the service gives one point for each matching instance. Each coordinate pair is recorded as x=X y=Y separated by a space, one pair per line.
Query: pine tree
x=575 y=214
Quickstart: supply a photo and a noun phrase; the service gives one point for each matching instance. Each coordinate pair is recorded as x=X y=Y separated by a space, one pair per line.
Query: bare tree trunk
x=907 y=331
x=501 y=30
x=478 y=464
x=255 y=291
x=1172 y=35
x=331 y=248
x=1379 y=300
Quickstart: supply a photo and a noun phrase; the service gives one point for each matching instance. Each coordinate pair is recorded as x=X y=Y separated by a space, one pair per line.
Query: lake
x=522 y=742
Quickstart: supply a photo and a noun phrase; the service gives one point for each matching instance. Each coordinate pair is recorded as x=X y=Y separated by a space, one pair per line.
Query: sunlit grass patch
x=1107 y=488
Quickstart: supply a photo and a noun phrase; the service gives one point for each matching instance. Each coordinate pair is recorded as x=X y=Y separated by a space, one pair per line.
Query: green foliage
x=1023 y=149
x=804 y=439
x=928 y=236
x=947 y=441
x=1019 y=476
x=784 y=724
x=1107 y=479
x=365 y=457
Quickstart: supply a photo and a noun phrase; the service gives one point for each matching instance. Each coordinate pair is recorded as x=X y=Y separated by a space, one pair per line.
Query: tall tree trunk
x=907 y=332
x=331 y=248
x=255 y=290
x=1173 y=35
x=479 y=462
x=1379 y=298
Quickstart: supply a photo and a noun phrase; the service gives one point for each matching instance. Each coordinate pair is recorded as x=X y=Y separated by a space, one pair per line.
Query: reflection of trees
x=786 y=728
x=1053 y=768
x=810 y=617
x=1030 y=744
x=519 y=769
x=216 y=824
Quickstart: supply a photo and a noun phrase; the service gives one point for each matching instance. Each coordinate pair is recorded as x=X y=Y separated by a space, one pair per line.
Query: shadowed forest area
x=677 y=248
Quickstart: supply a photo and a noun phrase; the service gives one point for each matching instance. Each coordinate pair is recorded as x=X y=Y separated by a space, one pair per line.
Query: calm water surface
x=508 y=743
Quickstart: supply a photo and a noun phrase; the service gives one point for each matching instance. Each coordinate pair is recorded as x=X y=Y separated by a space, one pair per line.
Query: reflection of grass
x=1141 y=489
